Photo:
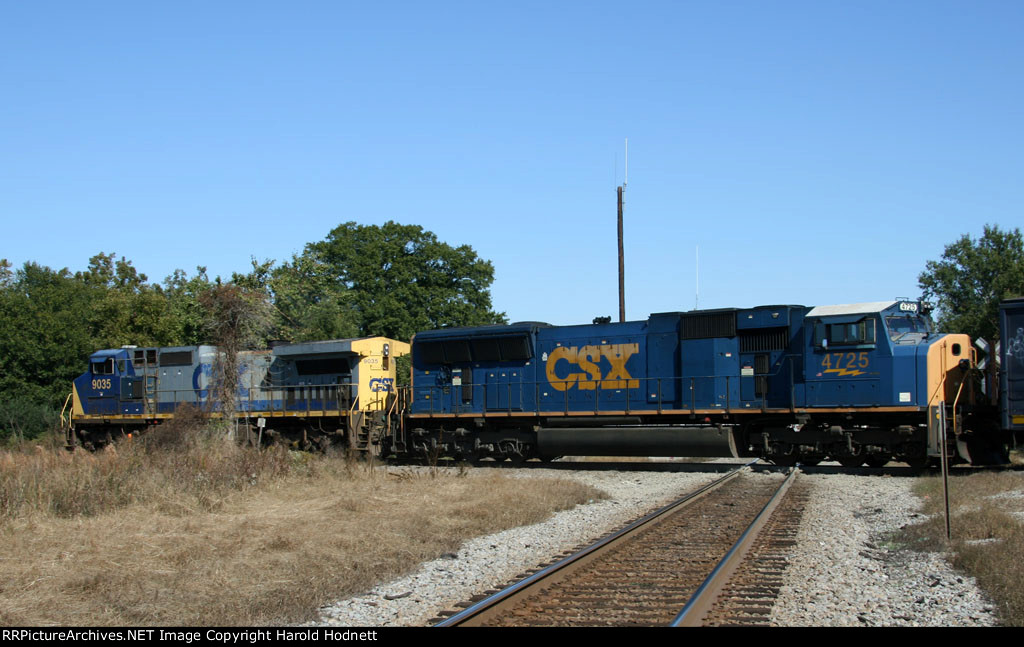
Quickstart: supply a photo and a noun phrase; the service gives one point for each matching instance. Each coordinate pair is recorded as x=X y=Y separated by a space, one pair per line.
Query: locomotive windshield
x=908 y=326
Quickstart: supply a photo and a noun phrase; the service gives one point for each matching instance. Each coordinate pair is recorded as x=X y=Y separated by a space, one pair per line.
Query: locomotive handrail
x=351 y=415
x=956 y=400
x=64 y=423
x=435 y=397
x=310 y=398
x=717 y=392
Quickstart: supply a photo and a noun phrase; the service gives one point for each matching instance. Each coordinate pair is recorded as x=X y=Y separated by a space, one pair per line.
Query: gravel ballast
x=841 y=573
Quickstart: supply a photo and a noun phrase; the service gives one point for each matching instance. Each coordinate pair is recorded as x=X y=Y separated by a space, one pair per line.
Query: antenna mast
x=696 y=298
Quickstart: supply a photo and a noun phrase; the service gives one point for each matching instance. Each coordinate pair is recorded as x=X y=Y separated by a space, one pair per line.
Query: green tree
x=44 y=338
x=972 y=278
x=399 y=279
x=125 y=309
x=307 y=304
x=184 y=310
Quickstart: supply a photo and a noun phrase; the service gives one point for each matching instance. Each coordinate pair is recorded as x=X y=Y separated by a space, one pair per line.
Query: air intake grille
x=176 y=358
x=765 y=339
x=705 y=325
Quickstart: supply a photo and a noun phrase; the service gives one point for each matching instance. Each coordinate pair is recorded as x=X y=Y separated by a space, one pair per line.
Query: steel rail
x=519 y=587
x=703 y=599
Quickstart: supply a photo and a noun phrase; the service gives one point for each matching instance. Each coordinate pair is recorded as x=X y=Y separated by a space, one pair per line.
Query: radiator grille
x=764 y=339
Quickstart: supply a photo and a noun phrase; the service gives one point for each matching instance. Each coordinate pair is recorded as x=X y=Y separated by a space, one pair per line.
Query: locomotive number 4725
x=844 y=364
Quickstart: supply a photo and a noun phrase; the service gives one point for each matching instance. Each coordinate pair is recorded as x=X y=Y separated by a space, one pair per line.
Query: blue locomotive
x=859 y=383
x=312 y=394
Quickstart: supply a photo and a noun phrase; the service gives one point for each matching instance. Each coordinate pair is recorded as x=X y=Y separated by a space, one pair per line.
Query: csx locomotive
x=311 y=394
x=859 y=383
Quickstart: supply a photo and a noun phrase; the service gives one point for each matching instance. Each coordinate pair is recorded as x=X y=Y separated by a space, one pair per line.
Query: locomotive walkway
x=686 y=555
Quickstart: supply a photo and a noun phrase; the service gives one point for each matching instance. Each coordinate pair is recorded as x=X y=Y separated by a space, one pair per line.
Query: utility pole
x=622 y=266
x=622 y=258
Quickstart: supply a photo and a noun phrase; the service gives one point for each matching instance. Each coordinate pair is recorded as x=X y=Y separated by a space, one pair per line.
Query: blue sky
x=816 y=152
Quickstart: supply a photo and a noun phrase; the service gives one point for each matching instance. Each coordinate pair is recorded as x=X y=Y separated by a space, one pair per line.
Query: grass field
x=184 y=528
x=181 y=527
x=987 y=527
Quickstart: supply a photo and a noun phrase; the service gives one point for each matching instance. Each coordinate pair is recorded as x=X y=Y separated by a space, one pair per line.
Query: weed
x=185 y=527
x=988 y=536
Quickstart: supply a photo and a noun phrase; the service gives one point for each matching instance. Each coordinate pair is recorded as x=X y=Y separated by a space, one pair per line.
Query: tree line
x=361 y=280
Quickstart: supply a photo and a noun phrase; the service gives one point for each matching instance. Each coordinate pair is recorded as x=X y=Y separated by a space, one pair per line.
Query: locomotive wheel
x=851 y=461
x=877 y=460
x=917 y=462
x=469 y=455
x=786 y=460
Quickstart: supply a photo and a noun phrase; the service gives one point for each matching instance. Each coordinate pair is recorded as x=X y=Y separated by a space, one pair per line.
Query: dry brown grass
x=192 y=531
x=987 y=522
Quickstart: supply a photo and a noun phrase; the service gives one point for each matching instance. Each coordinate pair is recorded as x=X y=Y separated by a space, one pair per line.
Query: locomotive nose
x=950 y=359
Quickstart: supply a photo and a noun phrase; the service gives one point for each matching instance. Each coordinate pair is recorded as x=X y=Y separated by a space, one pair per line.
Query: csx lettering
x=100 y=385
x=588 y=360
x=381 y=384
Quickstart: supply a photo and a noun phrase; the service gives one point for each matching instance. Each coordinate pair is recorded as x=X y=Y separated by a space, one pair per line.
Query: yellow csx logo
x=587 y=359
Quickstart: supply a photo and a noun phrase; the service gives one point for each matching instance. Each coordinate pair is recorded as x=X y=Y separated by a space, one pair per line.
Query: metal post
x=945 y=471
x=622 y=266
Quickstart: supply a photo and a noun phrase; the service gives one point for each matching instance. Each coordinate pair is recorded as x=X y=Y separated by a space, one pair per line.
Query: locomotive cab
x=878 y=354
x=109 y=378
x=847 y=361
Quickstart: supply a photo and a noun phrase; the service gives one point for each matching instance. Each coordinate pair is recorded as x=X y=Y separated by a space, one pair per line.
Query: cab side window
x=858 y=333
x=103 y=367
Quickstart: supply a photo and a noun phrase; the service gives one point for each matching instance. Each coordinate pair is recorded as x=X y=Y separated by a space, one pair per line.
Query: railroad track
x=666 y=568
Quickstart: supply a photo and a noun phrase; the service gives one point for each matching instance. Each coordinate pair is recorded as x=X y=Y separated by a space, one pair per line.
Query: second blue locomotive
x=858 y=383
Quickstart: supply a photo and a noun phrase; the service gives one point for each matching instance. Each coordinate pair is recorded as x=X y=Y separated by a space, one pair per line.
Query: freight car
x=311 y=394
x=1011 y=366
x=859 y=383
